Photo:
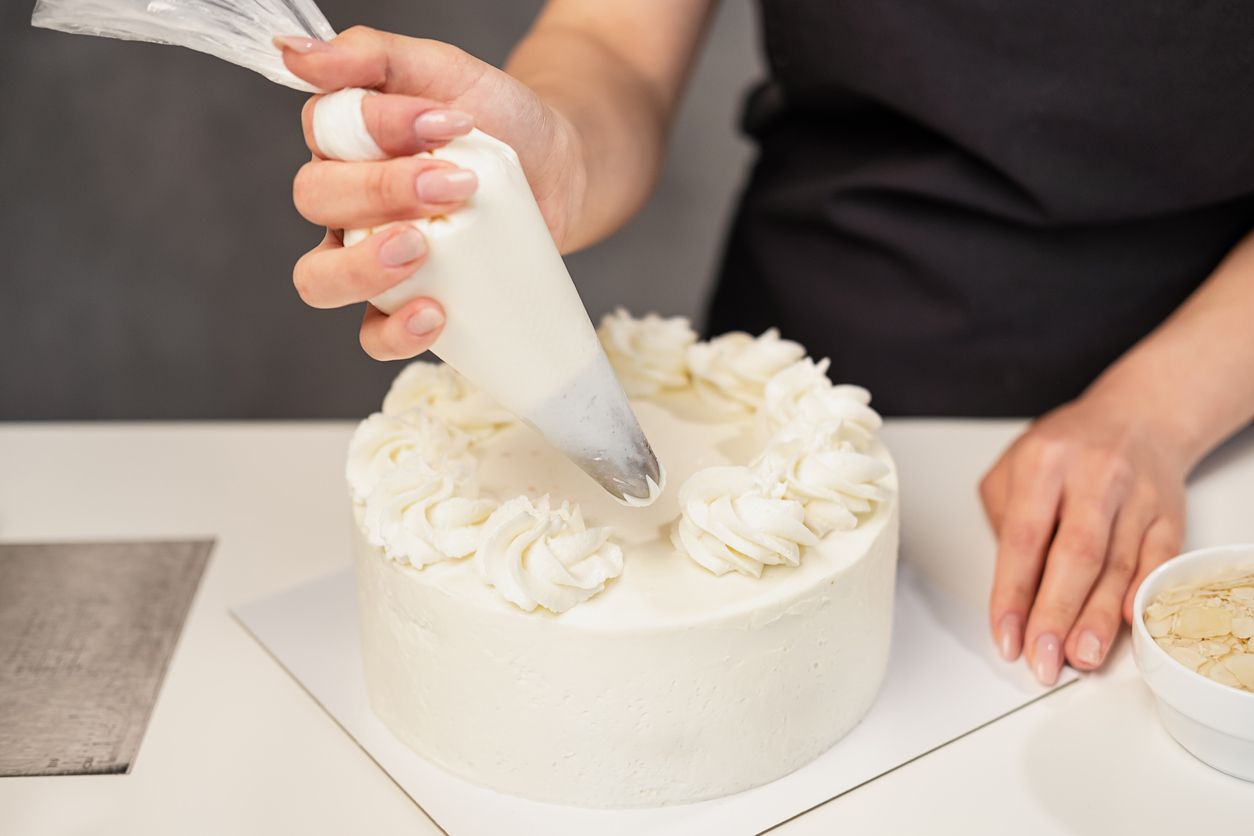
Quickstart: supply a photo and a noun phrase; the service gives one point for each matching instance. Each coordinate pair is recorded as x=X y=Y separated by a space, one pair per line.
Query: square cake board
x=944 y=681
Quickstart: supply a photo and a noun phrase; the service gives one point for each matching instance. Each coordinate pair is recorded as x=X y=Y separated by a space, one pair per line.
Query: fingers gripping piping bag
x=516 y=325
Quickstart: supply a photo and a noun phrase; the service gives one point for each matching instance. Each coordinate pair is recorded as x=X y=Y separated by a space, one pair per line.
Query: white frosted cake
x=527 y=632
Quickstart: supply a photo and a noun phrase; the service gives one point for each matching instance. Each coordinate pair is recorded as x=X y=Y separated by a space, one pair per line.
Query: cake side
x=637 y=717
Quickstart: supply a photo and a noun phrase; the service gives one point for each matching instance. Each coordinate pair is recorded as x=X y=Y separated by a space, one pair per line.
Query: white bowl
x=1212 y=721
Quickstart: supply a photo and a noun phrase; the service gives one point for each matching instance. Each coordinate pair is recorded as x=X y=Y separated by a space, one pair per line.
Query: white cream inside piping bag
x=515 y=326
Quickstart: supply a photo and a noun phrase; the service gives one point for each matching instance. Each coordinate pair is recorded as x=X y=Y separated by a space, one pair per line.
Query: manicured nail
x=443 y=124
x=1010 y=636
x=1047 y=660
x=300 y=44
x=424 y=322
x=1088 y=648
x=402 y=248
x=446 y=185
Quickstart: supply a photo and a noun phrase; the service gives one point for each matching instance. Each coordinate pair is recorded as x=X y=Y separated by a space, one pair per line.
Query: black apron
x=974 y=207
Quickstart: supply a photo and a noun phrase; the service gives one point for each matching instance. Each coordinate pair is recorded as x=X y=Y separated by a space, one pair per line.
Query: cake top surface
x=776 y=479
x=658 y=587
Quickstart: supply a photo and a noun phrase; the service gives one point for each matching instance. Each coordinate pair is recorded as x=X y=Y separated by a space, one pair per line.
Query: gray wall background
x=148 y=234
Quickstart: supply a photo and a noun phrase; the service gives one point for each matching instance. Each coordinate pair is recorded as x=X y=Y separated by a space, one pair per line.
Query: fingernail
x=446 y=185
x=1047 y=660
x=443 y=124
x=300 y=44
x=1088 y=648
x=424 y=322
x=402 y=248
x=1010 y=636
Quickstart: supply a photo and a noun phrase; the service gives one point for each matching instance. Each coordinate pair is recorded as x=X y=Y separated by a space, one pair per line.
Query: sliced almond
x=1161 y=612
x=1221 y=674
x=1200 y=622
x=1243 y=627
x=1188 y=657
x=1213 y=648
x=1242 y=667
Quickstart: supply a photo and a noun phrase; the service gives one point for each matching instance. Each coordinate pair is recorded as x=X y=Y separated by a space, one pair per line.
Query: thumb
x=364 y=57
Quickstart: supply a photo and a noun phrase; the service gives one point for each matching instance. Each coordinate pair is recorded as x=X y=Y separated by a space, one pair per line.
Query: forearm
x=615 y=72
x=1193 y=376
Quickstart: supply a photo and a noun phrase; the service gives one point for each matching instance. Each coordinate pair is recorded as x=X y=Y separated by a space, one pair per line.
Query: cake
x=525 y=631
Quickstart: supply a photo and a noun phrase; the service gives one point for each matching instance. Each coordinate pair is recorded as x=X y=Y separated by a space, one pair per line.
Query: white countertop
x=235 y=746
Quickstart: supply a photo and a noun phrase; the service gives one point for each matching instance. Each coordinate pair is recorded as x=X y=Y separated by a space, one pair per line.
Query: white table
x=235 y=745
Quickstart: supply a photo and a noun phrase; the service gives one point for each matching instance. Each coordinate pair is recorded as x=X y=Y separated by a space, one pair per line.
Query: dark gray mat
x=86 y=632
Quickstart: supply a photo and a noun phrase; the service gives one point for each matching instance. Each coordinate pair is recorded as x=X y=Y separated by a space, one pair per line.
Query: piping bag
x=516 y=325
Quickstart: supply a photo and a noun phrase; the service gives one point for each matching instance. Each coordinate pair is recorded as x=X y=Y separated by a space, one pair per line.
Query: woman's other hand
x=431 y=94
x=1090 y=499
x=1084 y=504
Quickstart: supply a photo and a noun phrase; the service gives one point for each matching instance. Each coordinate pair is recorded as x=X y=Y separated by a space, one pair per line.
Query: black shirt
x=975 y=207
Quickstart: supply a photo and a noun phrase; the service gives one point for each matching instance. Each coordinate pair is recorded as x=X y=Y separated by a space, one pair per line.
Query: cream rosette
x=731 y=371
x=803 y=390
x=421 y=514
x=650 y=354
x=536 y=555
x=834 y=482
x=439 y=389
x=382 y=441
x=734 y=520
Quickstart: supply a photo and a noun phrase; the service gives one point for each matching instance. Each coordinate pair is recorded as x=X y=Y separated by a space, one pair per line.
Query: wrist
x=1156 y=407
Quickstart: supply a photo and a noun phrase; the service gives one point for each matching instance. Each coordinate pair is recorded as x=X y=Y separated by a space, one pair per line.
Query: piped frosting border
x=411 y=467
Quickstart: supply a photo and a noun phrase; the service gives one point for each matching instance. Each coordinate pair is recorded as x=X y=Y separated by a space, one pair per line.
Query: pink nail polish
x=1047 y=658
x=424 y=322
x=446 y=185
x=300 y=44
x=442 y=124
x=402 y=248
x=1010 y=636
x=1088 y=648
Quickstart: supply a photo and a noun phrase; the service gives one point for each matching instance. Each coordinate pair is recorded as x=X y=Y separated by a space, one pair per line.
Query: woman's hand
x=433 y=93
x=1084 y=504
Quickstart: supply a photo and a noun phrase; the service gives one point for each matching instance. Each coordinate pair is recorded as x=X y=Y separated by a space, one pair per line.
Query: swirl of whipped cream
x=649 y=355
x=732 y=519
x=381 y=441
x=439 y=389
x=420 y=515
x=832 y=480
x=537 y=555
x=803 y=390
x=732 y=370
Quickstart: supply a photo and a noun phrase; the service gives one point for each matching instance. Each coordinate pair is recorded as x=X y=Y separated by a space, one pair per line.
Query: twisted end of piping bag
x=239 y=32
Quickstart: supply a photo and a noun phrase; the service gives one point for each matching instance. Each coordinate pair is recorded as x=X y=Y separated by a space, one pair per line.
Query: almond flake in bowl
x=1208 y=628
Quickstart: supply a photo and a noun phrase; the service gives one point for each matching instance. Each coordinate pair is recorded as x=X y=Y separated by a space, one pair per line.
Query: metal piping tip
x=591 y=421
x=636 y=480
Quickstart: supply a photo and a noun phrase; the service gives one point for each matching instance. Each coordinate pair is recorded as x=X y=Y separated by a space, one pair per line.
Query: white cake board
x=943 y=682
